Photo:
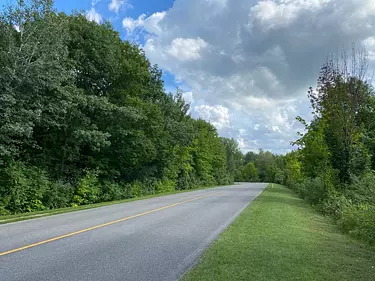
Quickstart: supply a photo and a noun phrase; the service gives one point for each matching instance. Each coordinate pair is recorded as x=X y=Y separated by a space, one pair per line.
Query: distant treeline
x=84 y=118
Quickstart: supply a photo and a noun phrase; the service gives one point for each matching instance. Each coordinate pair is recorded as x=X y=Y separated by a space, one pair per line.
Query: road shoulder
x=280 y=237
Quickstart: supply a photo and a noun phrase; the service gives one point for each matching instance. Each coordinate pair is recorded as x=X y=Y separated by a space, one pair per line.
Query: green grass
x=27 y=216
x=280 y=237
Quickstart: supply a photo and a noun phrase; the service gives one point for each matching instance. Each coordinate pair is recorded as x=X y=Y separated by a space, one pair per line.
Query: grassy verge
x=280 y=237
x=33 y=215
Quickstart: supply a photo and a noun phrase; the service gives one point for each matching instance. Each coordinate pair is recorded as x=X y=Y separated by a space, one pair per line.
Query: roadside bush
x=3 y=211
x=362 y=190
x=22 y=188
x=133 y=190
x=359 y=221
x=112 y=191
x=166 y=185
x=187 y=181
x=59 y=195
x=279 y=176
x=334 y=205
x=148 y=186
x=88 y=189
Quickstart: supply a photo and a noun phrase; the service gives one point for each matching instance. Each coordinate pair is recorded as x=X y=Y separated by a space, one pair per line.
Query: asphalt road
x=153 y=239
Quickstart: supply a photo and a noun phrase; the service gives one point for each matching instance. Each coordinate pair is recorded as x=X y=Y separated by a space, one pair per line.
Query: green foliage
x=59 y=195
x=165 y=185
x=112 y=191
x=250 y=173
x=22 y=188
x=359 y=221
x=336 y=152
x=76 y=99
x=293 y=170
x=88 y=189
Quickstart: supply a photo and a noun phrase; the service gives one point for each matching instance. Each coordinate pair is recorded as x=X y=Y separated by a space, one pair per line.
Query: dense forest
x=84 y=118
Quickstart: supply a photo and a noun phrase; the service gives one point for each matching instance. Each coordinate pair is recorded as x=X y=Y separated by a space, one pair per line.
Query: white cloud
x=276 y=14
x=185 y=49
x=216 y=115
x=130 y=24
x=152 y=23
x=250 y=63
x=149 y=24
x=188 y=97
x=115 y=5
x=93 y=15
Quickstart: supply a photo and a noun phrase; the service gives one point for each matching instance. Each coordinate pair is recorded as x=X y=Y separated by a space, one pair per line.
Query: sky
x=244 y=65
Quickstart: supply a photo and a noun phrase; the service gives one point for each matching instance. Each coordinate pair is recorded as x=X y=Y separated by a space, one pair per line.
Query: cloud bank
x=248 y=64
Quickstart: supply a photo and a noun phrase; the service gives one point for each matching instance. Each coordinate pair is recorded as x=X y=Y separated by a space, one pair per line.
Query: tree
x=250 y=173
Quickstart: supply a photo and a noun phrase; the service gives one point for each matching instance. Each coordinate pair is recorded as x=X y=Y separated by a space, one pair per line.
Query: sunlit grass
x=280 y=237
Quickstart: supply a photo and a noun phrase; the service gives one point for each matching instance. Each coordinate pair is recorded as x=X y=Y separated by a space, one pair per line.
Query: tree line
x=333 y=166
x=85 y=118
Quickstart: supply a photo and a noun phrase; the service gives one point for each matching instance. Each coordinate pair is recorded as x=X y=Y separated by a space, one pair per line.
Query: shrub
x=148 y=186
x=88 y=189
x=112 y=191
x=334 y=205
x=362 y=190
x=359 y=221
x=133 y=189
x=3 y=211
x=187 y=181
x=165 y=185
x=59 y=195
x=22 y=188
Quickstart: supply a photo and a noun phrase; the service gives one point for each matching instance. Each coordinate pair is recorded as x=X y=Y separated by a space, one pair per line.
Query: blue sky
x=245 y=65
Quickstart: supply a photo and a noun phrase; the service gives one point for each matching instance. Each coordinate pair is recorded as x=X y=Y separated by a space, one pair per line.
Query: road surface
x=152 y=239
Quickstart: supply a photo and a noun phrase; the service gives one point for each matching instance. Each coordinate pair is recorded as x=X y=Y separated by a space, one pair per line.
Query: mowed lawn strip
x=280 y=237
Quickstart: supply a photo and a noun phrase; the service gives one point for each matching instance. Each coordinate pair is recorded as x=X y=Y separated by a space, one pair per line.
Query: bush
x=133 y=190
x=112 y=191
x=334 y=205
x=148 y=186
x=166 y=185
x=59 y=195
x=187 y=181
x=362 y=190
x=22 y=188
x=88 y=189
x=3 y=211
x=359 y=221
x=315 y=190
x=279 y=176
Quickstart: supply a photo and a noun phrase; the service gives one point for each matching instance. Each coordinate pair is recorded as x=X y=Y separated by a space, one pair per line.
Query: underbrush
x=351 y=206
x=25 y=189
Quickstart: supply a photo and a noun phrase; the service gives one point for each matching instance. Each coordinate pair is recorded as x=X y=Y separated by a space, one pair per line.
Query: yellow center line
x=103 y=225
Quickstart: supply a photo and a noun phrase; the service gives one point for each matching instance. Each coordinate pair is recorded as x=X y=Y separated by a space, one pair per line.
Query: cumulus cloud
x=186 y=49
x=149 y=24
x=93 y=15
x=216 y=115
x=255 y=59
x=115 y=5
x=188 y=97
